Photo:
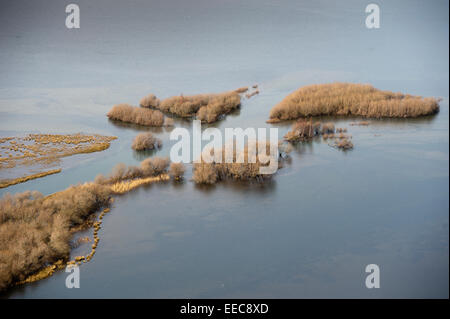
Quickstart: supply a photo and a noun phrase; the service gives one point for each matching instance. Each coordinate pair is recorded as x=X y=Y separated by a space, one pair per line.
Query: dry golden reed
x=9 y=182
x=205 y=107
x=350 y=99
x=136 y=115
x=36 y=230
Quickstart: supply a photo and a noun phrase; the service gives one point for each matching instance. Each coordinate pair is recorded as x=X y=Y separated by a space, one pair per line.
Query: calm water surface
x=309 y=232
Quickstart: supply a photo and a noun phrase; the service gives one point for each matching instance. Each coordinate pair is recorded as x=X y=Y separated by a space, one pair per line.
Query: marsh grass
x=10 y=182
x=36 y=230
x=46 y=150
x=350 y=99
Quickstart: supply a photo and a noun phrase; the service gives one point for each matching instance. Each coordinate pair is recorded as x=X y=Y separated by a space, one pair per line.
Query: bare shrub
x=350 y=99
x=137 y=115
x=205 y=107
x=146 y=141
x=210 y=173
x=176 y=170
x=328 y=128
x=149 y=101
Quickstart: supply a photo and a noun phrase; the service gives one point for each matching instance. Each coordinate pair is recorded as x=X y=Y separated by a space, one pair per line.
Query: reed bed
x=36 y=230
x=348 y=99
x=208 y=108
x=136 y=115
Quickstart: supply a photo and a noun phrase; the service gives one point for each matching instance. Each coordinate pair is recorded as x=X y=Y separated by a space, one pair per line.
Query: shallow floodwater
x=311 y=230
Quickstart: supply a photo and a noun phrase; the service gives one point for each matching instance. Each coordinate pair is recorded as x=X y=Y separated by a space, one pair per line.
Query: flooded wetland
x=358 y=184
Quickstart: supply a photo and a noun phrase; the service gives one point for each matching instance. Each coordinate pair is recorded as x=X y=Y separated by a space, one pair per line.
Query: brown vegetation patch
x=146 y=141
x=350 y=99
x=136 y=115
x=36 y=230
x=246 y=170
x=45 y=150
x=9 y=182
x=208 y=108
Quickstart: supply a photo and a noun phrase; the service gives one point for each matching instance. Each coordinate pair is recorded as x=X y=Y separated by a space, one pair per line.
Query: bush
x=176 y=170
x=149 y=101
x=145 y=141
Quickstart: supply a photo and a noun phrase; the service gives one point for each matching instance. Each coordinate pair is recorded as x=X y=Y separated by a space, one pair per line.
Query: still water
x=310 y=231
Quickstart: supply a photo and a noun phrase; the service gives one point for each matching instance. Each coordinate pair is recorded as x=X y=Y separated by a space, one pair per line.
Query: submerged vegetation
x=45 y=150
x=146 y=141
x=350 y=99
x=240 y=168
x=36 y=230
x=208 y=108
x=304 y=130
x=136 y=115
x=14 y=181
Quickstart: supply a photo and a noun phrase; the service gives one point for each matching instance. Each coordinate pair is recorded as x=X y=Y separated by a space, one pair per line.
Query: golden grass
x=6 y=183
x=126 y=186
x=51 y=147
x=145 y=141
x=350 y=100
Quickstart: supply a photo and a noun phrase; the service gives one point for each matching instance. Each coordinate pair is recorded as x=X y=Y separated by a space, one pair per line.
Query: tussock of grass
x=6 y=183
x=136 y=115
x=146 y=141
x=205 y=107
x=350 y=99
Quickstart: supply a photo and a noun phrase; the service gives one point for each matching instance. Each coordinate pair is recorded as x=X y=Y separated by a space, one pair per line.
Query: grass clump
x=351 y=99
x=146 y=141
x=136 y=115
